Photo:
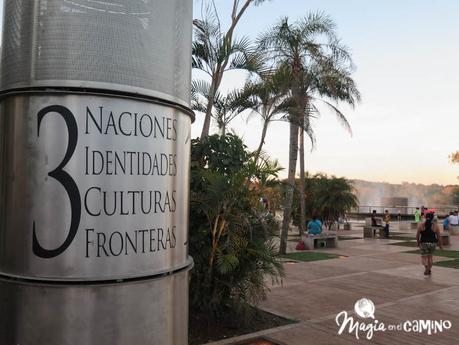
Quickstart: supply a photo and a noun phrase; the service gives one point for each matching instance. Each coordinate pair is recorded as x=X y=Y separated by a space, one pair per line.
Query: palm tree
x=216 y=52
x=296 y=47
x=305 y=127
x=231 y=239
x=226 y=107
x=268 y=98
x=326 y=80
x=334 y=196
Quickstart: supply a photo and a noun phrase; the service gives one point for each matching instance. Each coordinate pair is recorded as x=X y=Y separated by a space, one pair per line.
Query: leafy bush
x=231 y=235
x=327 y=197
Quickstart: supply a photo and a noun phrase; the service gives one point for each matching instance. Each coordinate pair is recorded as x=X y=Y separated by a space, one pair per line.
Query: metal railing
x=404 y=210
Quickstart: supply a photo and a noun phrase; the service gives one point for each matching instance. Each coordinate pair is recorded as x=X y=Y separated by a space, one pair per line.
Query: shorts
x=427 y=248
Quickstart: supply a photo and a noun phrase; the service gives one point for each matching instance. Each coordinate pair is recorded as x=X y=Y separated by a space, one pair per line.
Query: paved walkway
x=315 y=292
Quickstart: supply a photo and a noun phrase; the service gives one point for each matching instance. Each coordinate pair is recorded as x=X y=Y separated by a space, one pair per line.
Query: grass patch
x=345 y=238
x=402 y=238
x=447 y=253
x=448 y=264
x=453 y=254
x=309 y=256
x=404 y=244
x=444 y=253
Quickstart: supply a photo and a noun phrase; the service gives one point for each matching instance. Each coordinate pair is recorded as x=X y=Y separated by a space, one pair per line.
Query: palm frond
x=226 y=263
x=199 y=95
x=340 y=116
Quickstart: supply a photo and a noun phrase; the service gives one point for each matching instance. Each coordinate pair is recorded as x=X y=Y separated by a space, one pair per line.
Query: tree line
x=293 y=67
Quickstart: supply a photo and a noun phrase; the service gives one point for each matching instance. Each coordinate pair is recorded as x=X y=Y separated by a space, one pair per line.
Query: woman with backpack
x=428 y=236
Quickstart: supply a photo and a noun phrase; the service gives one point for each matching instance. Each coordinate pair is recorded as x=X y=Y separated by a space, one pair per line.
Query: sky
x=406 y=55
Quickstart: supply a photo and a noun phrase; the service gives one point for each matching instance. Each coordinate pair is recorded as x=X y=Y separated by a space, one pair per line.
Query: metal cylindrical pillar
x=150 y=311
x=94 y=175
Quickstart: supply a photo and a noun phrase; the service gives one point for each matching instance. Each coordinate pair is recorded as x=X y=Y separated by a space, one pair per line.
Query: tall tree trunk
x=292 y=158
x=206 y=125
x=210 y=103
x=302 y=226
x=223 y=130
x=262 y=141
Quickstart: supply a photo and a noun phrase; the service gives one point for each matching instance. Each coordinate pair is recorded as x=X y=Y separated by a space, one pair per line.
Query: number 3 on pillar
x=64 y=179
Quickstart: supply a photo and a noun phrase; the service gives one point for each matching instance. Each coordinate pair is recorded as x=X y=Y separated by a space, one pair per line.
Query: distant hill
x=372 y=193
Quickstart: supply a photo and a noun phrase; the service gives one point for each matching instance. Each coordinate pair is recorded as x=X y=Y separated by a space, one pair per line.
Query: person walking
x=453 y=220
x=386 y=223
x=446 y=222
x=417 y=215
x=427 y=237
x=399 y=215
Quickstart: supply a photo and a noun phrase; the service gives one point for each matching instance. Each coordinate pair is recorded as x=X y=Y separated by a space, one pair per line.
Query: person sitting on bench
x=376 y=222
x=315 y=226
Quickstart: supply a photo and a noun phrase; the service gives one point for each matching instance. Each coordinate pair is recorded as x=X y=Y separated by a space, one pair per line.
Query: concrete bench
x=328 y=240
x=370 y=231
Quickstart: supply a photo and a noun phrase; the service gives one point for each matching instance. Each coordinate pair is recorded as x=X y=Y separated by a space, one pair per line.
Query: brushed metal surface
x=140 y=46
x=125 y=214
x=142 y=313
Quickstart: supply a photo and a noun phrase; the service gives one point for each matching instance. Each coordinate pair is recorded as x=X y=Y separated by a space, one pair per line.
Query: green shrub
x=231 y=235
x=328 y=197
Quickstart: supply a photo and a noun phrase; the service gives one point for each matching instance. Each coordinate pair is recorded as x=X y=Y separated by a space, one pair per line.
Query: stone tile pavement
x=313 y=293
